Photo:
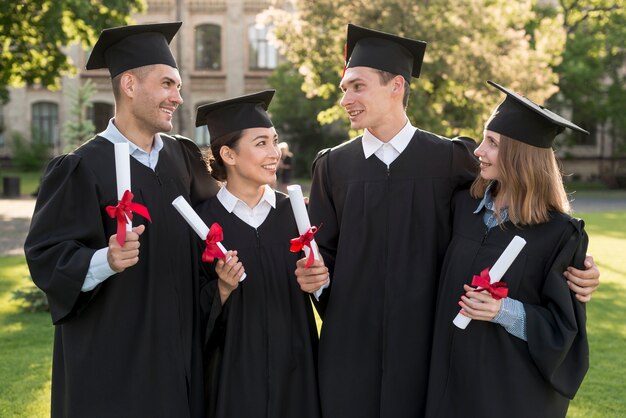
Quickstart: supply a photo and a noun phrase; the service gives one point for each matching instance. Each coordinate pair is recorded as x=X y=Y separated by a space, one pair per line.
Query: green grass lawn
x=26 y=339
x=29 y=180
x=25 y=349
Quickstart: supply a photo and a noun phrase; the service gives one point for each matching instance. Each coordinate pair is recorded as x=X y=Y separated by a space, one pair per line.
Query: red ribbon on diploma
x=212 y=250
x=124 y=212
x=498 y=289
x=304 y=240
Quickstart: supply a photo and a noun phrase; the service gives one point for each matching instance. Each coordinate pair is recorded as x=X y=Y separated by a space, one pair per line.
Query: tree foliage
x=469 y=42
x=293 y=115
x=33 y=34
x=79 y=129
x=593 y=70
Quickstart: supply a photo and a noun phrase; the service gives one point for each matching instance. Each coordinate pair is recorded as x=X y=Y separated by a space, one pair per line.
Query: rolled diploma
x=497 y=271
x=195 y=222
x=122 y=174
x=302 y=221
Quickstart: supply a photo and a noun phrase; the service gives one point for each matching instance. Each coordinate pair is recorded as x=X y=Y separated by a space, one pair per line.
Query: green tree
x=79 y=129
x=469 y=42
x=33 y=34
x=592 y=80
x=294 y=115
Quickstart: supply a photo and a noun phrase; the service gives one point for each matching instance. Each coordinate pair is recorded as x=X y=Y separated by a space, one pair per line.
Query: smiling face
x=157 y=97
x=253 y=161
x=366 y=99
x=487 y=153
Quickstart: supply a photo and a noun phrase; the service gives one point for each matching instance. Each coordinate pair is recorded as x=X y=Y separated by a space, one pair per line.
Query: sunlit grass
x=26 y=339
x=603 y=391
x=29 y=180
x=25 y=349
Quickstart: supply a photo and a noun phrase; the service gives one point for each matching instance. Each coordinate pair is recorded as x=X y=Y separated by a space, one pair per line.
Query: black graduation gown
x=261 y=355
x=131 y=346
x=483 y=371
x=383 y=236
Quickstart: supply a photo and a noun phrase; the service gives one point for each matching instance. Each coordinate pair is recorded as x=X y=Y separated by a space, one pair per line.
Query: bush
x=29 y=156
x=31 y=299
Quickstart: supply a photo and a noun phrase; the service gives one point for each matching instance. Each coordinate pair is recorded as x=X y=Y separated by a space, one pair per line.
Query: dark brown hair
x=214 y=159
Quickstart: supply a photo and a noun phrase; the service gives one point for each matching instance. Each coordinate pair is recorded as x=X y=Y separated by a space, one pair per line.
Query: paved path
x=15 y=215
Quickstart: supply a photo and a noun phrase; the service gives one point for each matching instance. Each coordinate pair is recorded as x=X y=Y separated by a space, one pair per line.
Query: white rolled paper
x=302 y=221
x=497 y=272
x=195 y=222
x=122 y=173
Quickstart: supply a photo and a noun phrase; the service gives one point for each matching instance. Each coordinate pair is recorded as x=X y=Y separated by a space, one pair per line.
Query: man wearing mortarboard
x=127 y=341
x=384 y=201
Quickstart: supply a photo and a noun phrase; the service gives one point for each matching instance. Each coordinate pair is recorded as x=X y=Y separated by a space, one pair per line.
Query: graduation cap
x=522 y=119
x=238 y=113
x=384 y=51
x=126 y=47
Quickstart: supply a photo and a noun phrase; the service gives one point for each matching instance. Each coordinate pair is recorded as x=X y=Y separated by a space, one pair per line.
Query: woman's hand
x=479 y=305
x=229 y=271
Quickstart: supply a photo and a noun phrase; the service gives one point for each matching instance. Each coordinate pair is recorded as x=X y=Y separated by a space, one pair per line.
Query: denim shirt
x=511 y=315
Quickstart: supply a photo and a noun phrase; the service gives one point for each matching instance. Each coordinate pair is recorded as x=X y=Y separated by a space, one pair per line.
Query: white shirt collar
x=229 y=200
x=399 y=142
x=115 y=136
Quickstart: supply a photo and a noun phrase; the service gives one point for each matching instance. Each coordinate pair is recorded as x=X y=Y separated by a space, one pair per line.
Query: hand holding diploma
x=212 y=236
x=490 y=277
x=125 y=208
x=306 y=242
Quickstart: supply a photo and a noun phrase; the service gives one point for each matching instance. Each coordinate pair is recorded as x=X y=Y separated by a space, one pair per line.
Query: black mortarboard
x=522 y=119
x=236 y=114
x=126 y=47
x=384 y=51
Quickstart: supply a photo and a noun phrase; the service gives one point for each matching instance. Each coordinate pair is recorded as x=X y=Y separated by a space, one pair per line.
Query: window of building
x=99 y=114
x=208 y=47
x=262 y=54
x=45 y=123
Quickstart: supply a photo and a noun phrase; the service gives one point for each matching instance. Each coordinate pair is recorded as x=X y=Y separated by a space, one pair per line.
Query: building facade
x=221 y=50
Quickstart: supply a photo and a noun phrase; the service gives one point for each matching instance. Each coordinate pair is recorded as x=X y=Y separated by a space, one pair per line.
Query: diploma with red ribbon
x=489 y=278
x=123 y=212
x=305 y=241
x=212 y=237
x=483 y=282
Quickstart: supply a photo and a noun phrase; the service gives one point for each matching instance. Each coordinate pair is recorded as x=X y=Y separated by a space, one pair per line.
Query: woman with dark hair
x=261 y=350
x=526 y=354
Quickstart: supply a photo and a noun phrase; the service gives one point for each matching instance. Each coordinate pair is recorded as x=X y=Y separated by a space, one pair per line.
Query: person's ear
x=228 y=155
x=398 y=84
x=128 y=84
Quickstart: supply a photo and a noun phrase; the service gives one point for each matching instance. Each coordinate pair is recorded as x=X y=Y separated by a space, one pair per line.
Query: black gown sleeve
x=464 y=163
x=203 y=185
x=556 y=330
x=65 y=232
x=323 y=214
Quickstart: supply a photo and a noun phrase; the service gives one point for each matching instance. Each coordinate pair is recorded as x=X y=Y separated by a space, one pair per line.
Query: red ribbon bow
x=483 y=282
x=304 y=240
x=212 y=250
x=124 y=213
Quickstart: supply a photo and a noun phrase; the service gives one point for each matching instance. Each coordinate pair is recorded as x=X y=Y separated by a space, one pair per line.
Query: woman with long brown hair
x=525 y=354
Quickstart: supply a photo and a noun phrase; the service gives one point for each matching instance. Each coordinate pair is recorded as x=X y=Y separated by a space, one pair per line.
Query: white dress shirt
x=99 y=269
x=252 y=216
x=387 y=152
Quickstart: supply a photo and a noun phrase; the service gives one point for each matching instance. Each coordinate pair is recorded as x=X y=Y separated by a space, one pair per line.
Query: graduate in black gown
x=261 y=352
x=524 y=355
x=127 y=336
x=383 y=200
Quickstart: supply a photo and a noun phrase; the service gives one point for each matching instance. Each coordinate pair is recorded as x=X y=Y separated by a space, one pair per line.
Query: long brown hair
x=530 y=182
